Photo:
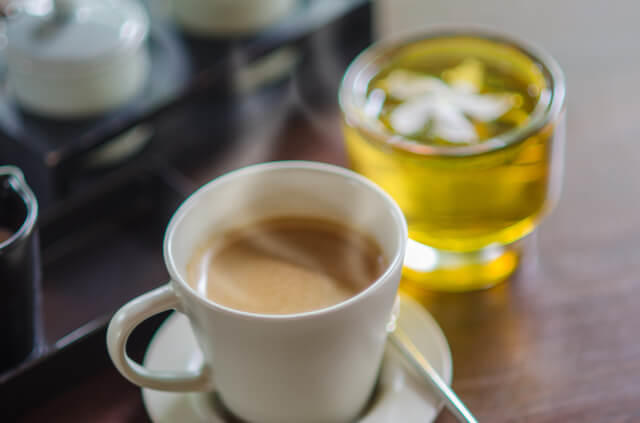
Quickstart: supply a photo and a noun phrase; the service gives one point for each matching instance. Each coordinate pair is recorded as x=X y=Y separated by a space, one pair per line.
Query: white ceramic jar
x=229 y=17
x=80 y=59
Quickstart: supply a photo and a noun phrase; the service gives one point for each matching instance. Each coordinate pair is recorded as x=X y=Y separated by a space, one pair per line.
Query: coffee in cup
x=285 y=265
x=5 y=234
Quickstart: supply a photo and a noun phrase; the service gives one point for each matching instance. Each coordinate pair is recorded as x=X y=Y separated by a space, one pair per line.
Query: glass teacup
x=465 y=129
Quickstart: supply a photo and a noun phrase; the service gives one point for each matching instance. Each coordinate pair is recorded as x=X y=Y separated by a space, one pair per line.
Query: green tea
x=458 y=93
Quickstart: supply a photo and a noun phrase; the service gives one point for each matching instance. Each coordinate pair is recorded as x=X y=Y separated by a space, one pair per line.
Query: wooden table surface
x=557 y=343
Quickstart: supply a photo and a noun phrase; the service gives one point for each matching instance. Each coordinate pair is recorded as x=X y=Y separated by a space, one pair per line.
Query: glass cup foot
x=450 y=271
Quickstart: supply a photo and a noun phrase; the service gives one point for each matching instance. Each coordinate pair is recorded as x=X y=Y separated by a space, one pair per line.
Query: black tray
x=185 y=70
x=102 y=241
x=96 y=255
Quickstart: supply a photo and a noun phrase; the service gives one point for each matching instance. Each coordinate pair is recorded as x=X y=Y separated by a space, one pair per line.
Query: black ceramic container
x=19 y=268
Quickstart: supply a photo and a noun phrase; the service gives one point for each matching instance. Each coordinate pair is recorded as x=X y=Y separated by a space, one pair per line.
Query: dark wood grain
x=557 y=343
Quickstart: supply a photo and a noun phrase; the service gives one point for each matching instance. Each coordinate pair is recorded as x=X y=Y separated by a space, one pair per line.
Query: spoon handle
x=411 y=353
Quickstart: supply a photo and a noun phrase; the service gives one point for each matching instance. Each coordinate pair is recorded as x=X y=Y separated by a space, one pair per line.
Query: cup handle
x=122 y=324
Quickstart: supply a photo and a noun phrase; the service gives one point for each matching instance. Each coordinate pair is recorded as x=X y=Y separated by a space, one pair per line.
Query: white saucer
x=400 y=397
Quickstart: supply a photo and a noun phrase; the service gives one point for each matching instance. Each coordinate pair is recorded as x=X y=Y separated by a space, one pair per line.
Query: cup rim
x=395 y=262
x=540 y=117
x=16 y=182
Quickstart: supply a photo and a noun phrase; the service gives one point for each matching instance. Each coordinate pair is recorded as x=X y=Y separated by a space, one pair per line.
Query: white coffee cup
x=317 y=366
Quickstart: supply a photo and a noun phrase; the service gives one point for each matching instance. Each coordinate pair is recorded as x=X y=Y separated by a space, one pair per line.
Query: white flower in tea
x=448 y=109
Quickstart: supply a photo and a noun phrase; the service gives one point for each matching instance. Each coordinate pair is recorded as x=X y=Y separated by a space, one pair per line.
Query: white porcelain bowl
x=87 y=64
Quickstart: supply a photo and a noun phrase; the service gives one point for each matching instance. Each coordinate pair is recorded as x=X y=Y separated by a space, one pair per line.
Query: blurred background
x=249 y=90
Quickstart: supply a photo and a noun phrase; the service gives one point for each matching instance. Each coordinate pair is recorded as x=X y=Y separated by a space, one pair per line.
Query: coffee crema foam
x=285 y=265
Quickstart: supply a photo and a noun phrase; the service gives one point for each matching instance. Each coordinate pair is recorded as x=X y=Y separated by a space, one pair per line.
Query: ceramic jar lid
x=75 y=36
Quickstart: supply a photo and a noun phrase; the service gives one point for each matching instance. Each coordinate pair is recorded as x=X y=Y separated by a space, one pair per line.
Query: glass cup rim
x=545 y=111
